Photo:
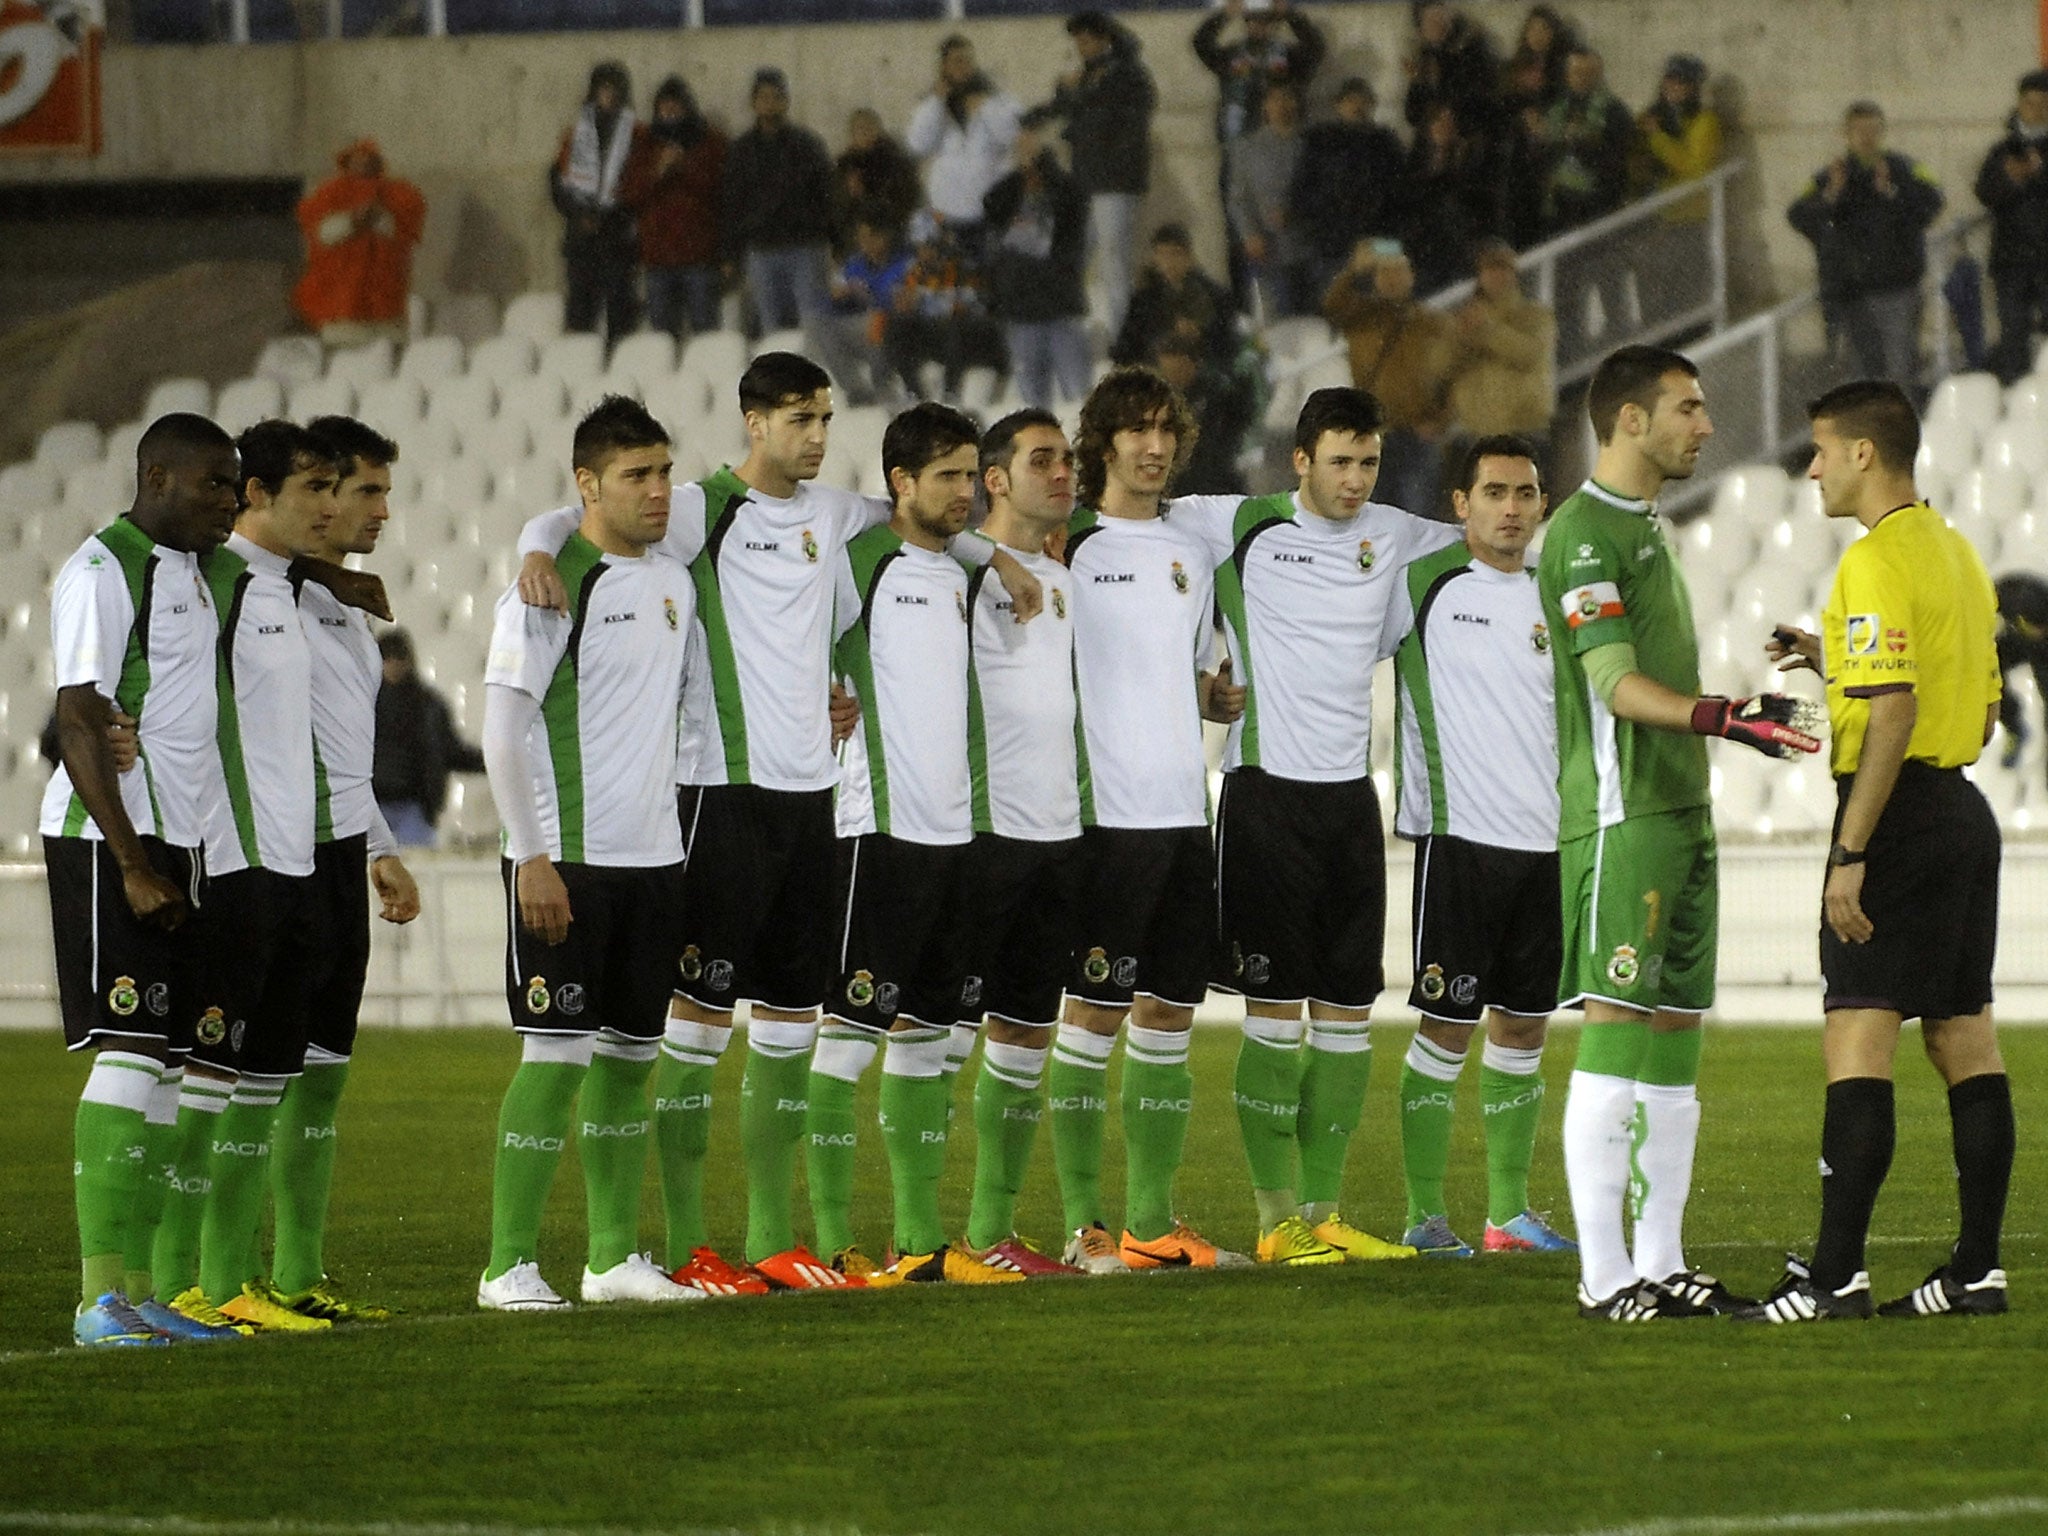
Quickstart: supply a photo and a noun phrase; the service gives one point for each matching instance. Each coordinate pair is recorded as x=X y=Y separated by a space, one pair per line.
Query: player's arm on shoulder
x=1026 y=593
x=540 y=583
x=1209 y=520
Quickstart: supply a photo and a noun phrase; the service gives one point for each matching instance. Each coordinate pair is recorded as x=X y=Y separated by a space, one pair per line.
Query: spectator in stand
x=1401 y=353
x=1177 y=298
x=1866 y=212
x=1534 y=74
x=851 y=339
x=2012 y=186
x=1262 y=167
x=1224 y=402
x=1107 y=107
x=1587 y=135
x=874 y=174
x=360 y=226
x=964 y=132
x=1680 y=131
x=1453 y=61
x=586 y=180
x=1259 y=58
x=1453 y=195
x=1504 y=360
x=417 y=747
x=940 y=316
x=672 y=185
x=1347 y=185
x=1037 y=240
x=778 y=209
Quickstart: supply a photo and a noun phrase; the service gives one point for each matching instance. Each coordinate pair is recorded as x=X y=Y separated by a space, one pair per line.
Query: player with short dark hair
x=133 y=632
x=905 y=819
x=1636 y=851
x=1477 y=794
x=1909 y=915
x=582 y=721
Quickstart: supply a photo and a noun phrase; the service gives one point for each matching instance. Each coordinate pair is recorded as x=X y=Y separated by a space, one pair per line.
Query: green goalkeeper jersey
x=1608 y=575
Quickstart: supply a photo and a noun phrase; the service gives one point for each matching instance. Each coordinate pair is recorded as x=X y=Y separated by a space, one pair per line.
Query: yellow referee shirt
x=1912 y=607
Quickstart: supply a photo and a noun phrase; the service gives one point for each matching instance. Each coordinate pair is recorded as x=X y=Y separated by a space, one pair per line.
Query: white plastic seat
x=291 y=360
x=320 y=397
x=978 y=388
x=466 y=317
x=642 y=358
x=432 y=439
x=1802 y=544
x=2026 y=400
x=536 y=316
x=392 y=406
x=430 y=359
x=791 y=340
x=464 y=399
x=681 y=401
x=1947 y=448
x=1768 y=595
x=1740 y=784
x=715 y=355
x=451 y=494
x=1709 y=545
x=1754 y=493
x=497 y=440
x=501 y=358
x=532 y=484
x=97 y=493
x=192 y=396
x=1802 y=794
x=29 y=490
x=576 y=357
x=1990 y=491
x=369 y=363
x=1973 y=401
x=123 y=441
x=539 y=397
x=67 y=444
x=2021 y=445
x=247 y=401
x=554 y=440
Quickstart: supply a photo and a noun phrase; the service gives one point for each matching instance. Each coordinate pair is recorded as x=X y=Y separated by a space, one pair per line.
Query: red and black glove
x=1773 y=723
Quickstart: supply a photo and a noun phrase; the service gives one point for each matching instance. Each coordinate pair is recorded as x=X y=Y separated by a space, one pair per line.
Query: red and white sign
x=50 y=76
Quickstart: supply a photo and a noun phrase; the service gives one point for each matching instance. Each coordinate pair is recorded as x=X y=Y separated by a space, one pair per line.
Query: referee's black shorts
x=1930 y=890
x=115 y=974
x=341 y=893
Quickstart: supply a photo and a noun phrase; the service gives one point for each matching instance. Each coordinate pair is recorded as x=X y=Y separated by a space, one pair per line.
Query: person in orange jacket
x=361 y=226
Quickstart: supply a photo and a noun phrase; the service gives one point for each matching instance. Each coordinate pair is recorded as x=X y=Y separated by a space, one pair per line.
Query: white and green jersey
x=1143 y=589
x=263 y=818
x=763 y=569
x=1476 y=708
x=134 y=620
x=1021 y=744
x=1305 y=602
x=902 y=622
x=347 y=672
x=609 y=679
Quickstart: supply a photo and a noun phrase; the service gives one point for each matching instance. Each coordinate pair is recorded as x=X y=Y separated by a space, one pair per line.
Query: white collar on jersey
x=257 y=556
x=1593 y=487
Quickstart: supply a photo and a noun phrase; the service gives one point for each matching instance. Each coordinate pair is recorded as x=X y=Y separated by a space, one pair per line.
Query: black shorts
x=1489 y=931
x=260 y=946
x=341 y=893
x=1020 y=927
x=115 y=975
x=903 y=911
x=1147 y=916
x=1930 y=890
x=612 y=971
x=758 y=917
x=1301 y=884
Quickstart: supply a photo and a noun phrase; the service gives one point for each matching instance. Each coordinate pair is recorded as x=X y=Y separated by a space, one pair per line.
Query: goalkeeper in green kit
x=1636 y=853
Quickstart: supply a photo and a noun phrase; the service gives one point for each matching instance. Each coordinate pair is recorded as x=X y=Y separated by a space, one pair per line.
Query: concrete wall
x=476 y=120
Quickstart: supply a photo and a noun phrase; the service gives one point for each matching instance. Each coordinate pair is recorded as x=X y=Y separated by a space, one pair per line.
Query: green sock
x=1335 y=1069
x=612 y=1125
x=1429 y=1091
x=109 y=1141
x=1007 y=1109
x=240 y=1169
x=773 y=1103
x=1077 y=1098
x=1511 y=1096
x=682 y=1129
x=1158 y=1098
x=1671 y=1058
x=533 y=1127
x=917 y=1093
x=1613 y=1050
x=1268 y=1092
x=174 y=1255
x=159 y=1144
x=843 y=1054
x=302 y=1175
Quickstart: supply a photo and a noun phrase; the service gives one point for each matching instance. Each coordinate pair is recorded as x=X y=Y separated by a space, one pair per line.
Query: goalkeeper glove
x=1776 y=724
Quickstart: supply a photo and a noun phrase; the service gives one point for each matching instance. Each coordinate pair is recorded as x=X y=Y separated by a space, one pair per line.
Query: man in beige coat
x=1504 y=370
x=1402 y=353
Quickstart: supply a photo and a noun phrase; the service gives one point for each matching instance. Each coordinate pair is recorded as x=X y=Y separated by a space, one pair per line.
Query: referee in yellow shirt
x=1910 y=913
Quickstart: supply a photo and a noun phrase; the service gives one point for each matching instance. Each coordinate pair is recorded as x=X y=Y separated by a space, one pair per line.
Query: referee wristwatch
x=1839 y=856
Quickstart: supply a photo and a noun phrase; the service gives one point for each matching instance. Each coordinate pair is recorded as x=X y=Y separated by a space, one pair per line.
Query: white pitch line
x=1874 y=1242
x=180 y=1525
x=1828 y=1520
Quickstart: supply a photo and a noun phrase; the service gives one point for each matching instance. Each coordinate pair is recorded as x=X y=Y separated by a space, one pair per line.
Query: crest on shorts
x=718 y=975
x=692 y=964
x=1125 y=972
x=1465 y=990
x=1622 y=968
x=810 y=547
x=537 y=998
x=212 y=1027
x=1539 y=638
x=1180 y=578
x=1059 y=603
x=1258 y=970
x=569 y=998
x=886 y=996
x=1236 y=959
x=970 y=994
x=1096 y=966
x=158 y=998
x=860 y=989
x=1431 y=983
x=668 y=611
x=1365 y=555
x=122 y=998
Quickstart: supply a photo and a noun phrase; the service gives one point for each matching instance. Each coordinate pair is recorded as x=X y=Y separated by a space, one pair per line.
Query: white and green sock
x=1007 y=1108
x=1267 y=1088
x=1077 y=1099
x=682 y=1127
x=1511 y=1102
x=240 y=1168
x=1429 y=1092
x=109 y=1141
x=613 y=1126
x=159 y=1141
x=916 y=1103
x=773 y=1104
x=174 y=1255
x=842 y=1055
x=302 y=1170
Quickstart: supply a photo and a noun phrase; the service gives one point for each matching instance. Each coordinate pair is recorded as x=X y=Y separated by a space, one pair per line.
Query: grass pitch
x=1423 y=1396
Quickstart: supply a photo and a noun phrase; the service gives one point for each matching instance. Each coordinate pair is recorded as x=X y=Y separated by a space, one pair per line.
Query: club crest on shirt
x=668 y=611
x=1365 y=555
x=212 y=1027
x=1059 y=603
x=1621 y=969
x=1096 y=966
x=1180 y=578
x=1859 y=636
x=1539 y=638
x=960 y=603
x=1431 y=983
x=122 y=998
x=537 y=998
x=810 y=547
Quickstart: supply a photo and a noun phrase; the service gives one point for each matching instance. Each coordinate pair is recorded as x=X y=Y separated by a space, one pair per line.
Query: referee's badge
x=810 y=547
x=1365 y=555
x=1432 y=983
x=1861 y=633
x=537 y=999
x=1539 y=638
x=1621 y=970
x=1180 y=578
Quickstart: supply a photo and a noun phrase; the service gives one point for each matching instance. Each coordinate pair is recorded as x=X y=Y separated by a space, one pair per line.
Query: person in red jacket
x=361 y=226
x=673 y=183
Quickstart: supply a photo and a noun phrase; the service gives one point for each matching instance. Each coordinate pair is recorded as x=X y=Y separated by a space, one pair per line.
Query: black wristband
x=1839 y=856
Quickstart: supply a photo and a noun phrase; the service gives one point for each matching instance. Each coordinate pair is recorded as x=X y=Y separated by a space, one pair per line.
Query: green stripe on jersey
x=977 y=721
x=227 y=574
x=580 y=563
x=133 y=550
x=1411 y=666
x=1252 y=514
x=723 y=492
x=868 y=554
x=1084 y=518
x=323 y=798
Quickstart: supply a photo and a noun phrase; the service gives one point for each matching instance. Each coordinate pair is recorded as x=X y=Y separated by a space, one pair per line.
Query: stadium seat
x=122 y=441
x=529 y=485
x=247 y=401
x=392 y=406
x=716 y=355
x=451 y=497
x=978 y=387
x=1740 y=784
x=416 y=313
x=642 y=358
x=320 y=397
x=2026 y=401
x=577 y=357
x=1806 y=544
x=194 y=396
x=466 y=317
x=1709 y=545
x=536 y=316
x=68 y=444
x=856 y=440
x=2006 y=790
x=501 y=358
x=554 y=440
x=29 y=489
x=792 y=340
x=1768 y=595
x=1990 y=492
x=431 y=439
x=1971 y=401
x=1802 y=796
x=539 y=397
x=291 y=360
x=464 y=399
x=431 y=359
x=369 y=363
x=498 y=440
x=1754 y=493
x=2021 y=445
x=1947 y=449
x=680 y=401
x=98 y=492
